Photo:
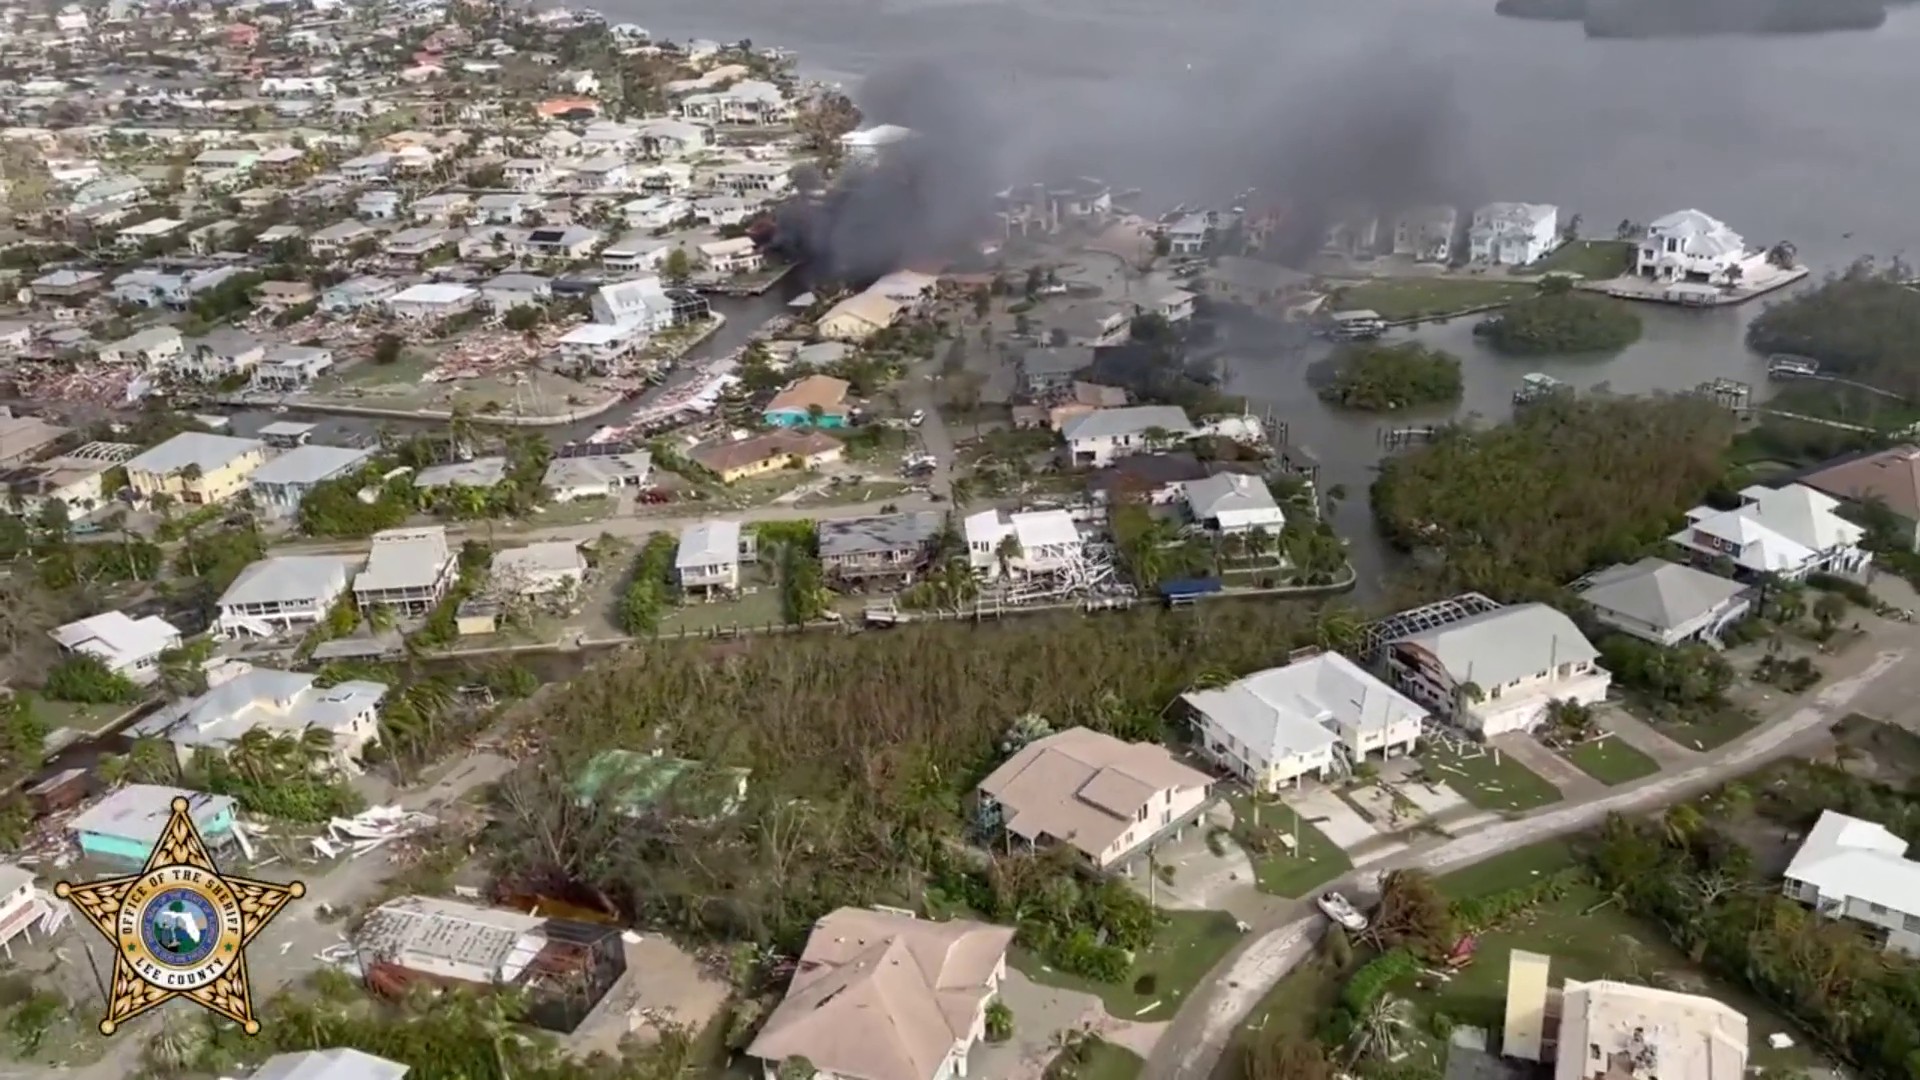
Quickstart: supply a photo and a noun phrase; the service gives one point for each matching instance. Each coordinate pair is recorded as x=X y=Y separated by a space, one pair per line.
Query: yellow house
x=762 y=454
x=196 y=468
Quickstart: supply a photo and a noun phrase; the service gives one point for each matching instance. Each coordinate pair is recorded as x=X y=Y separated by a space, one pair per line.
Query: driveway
x=1040 y=1014
x=1325 y=810
x=1200 y=1034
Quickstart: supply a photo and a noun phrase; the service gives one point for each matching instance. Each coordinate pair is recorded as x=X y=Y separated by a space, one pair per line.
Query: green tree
x=1560 y=321
x=677 y=268
x=1384 y=378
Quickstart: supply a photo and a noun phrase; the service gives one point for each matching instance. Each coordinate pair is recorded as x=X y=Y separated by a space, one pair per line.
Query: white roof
x=433 y=292
x=1505 y=644
x=286 y=578
x=405 y=559
x=1224 y=493
x=878 y=135
x=1036 y=529
x=1777 y=529
x=545 y=557
x=209 y=452
x=594 y=333
x=310 y=464
x=113 y=636
x=1128 y=420
x=284 y=702
x=707 y=544
x=1296 y=709
x=339 y=1063
x=1847 y=858
x=137 y=812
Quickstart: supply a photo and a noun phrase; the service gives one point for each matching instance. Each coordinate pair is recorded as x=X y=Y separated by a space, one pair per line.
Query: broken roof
x=846 y=537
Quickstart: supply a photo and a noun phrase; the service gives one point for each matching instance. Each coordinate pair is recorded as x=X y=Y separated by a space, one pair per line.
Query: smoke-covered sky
x=1784 y=137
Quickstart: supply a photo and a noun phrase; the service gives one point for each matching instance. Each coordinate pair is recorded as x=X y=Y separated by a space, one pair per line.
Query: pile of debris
x=369 y=829
x=490 y=352
x=91 y=385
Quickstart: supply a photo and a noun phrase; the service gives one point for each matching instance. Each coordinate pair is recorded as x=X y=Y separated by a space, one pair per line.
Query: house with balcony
x=1689 y=246
x=747 y=102
x=154 y=347
x=709 y=557
x=643 y=303
x=21 y=906
x=358 y=294
x=1497 y=671
x=287 y=368
x=882 y=995
x=408 y=571
x=282 y=593
x=739 y=255
x=604 y=173
x=1027 y=543
x=636 y=252
x=1234 y=504
x=195 y=468
x=1513 y=233
x=754 y=179
x=367 y=167
x=569 y=244
x=335 y=240
x=667 y=138
x=283 y=483
x=412 y=247
x=1791 y=531
x=280 y=702
x=599 y=348
x=432 y=301
x=1663 y=602
x=220 y=355
x=127 y=646
x=887 y=546
x=1859 y=871
x=1105 y=798
x=1314 y=718
x=380 y=204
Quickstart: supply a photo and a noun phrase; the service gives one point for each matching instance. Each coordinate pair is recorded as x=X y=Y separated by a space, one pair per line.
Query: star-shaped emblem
x=179 y=927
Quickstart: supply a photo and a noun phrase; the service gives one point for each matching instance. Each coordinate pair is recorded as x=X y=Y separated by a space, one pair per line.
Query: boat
x=1782 y=366
x=1335 y=905
x=1359 y=324
x=1536 y=386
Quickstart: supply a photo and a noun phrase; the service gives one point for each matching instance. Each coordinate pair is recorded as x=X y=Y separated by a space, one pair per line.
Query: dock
x=1695 y=294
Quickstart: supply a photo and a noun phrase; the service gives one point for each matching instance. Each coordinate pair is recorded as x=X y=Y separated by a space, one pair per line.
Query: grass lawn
x=1093 y=1058
x=1315 y=862
x=571 y=512
x=869 y=491
x=1489 y=781
x=1590 y=939
x=1593 y=259
x=1407 y=298
x=1703 y=731
x=1186 y=948
x=1508 y=870
x=85 y=719
x=1612 y=761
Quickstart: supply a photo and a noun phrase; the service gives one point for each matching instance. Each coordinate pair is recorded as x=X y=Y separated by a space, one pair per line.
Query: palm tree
x=960 y=491
x=1008 y=551
x=1339 y=629
x=1380 y=1029
x=254 y=755
x=1681 y=824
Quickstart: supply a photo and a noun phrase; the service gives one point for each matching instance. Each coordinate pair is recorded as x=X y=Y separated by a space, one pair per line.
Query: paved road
x=1199 y=1035
x=284 y=951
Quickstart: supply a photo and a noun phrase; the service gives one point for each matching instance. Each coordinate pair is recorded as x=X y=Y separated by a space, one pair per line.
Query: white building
x=1104 y=797
x=339 y=1063
x=1025 y=543
x=407 y=572
x=1513 y=233
x=21 y=905
x=281 y=702
x=127 y=646
x=1234 y=503
x=1610 y=1030
x=596 y=475
x=1689 y=246
x=1314 y=717
x=432 y=300
x=1096 y=438
x=283 y=592
x=736 y=256
x=867 y=144
x=708 y=558
x=1664 y=602
x=1791 y=531
x=642 y=303
x=279 y=486
x=1497 y=671
x=1847 y=868
x=1426 y=233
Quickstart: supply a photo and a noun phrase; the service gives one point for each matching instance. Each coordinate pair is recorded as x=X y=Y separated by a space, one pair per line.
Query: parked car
x=919 y=417
x=1337 y=907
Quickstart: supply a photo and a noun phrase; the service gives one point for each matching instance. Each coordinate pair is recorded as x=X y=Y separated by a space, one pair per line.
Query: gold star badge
x=179 y=928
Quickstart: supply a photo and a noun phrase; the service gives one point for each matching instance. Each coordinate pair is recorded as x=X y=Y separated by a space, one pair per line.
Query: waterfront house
x=287 y=368
x=280 y=485
x=123 y=827
x=1104 y=797
x=709 y=556
x=1664 y=602
x=891 y=546
x=196 y=468
x=1096 y=438
x=1791 y=531
x=283 y=703
x=1496 y=671
x=1314 y=717
x=813 y=401
x=1888 y=478
x=282 y=593
x=757 y=455
x=1689 y=246
x=1228 y=504
x=1425 y=233
x=1513 y=233
x=1024 y=543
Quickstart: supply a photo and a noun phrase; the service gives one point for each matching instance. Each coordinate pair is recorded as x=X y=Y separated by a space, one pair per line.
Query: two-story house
x=1858 y=870
x=280 y=702
x=892 y=546
x=1315 y=717
x=1104 y=797
x=127 y=646
x=408 y=571
x=282 y=593
x=1513 y=233
x=196 y=468
x=1497 y=671
x=709 y=557
x=1688 y=245
x=1028 y=543
x=1791 y=531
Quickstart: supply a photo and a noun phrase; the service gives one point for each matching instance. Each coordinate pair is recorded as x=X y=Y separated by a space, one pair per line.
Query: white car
x=919 y=417
x=1341 y=910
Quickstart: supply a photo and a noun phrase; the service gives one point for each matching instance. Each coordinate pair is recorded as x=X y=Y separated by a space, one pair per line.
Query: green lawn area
x=1186 y=948
x=1593 y=259
x=1612 y=761
x=1407 y=298
x=1508 y=870
x=572 y=512
x=1316 y=861
x=86 y=719
x=1491 y=781
x=869 y=491
x=1093 y=1058
x=1701 y=731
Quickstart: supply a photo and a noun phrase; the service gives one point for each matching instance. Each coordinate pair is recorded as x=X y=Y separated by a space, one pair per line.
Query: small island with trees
x=1385 y=378
x=1697 y=18
x=1558 y=320
x=1859 y=325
